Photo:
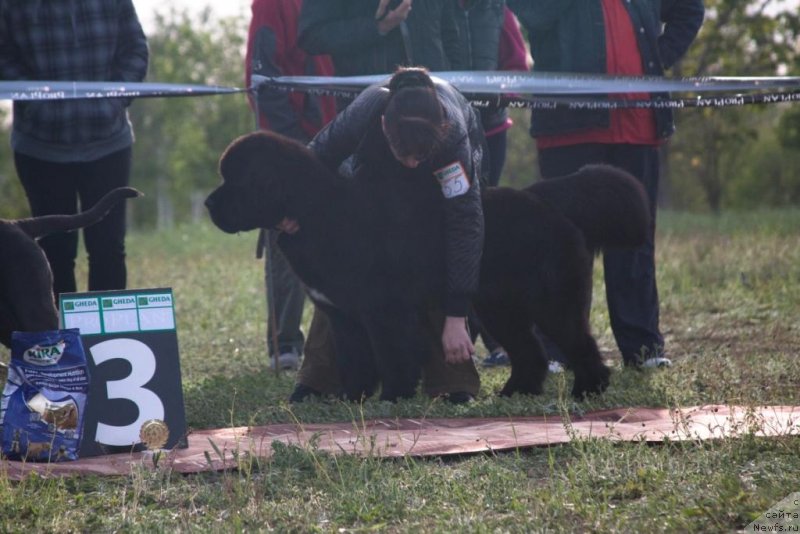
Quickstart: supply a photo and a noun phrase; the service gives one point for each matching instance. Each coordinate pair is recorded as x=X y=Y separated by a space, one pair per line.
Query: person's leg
x=630 y=274
x=489 y=342
x=496 y=355
x=560 y=161
x=50 y=190
x=318 y=374
x=496 y=144
x=105 y=240
x=287 y=299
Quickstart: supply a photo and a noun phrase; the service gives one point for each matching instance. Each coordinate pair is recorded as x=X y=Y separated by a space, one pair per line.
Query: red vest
x=630 y=126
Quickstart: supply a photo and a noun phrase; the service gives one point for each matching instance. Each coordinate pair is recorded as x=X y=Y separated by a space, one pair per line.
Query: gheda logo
x=46 y=355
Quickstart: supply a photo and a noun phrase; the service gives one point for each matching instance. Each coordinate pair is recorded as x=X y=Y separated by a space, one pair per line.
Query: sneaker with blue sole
x=498 y=358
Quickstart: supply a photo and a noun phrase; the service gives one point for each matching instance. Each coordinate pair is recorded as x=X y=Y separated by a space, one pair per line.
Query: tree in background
x=720 y=158
x=521 y=168
x=717 y=158
x=179 y=140
x=13 y=204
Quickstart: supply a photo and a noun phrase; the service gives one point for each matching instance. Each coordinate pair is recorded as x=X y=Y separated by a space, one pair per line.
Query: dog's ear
x=257 y=152
x=237 y=157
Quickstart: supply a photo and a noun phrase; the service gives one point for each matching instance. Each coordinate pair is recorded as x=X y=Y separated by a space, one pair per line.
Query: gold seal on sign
x=154 y=434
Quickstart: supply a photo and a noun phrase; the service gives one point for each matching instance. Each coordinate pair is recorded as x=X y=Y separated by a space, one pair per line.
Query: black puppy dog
x=26 y=283
x=370 y=250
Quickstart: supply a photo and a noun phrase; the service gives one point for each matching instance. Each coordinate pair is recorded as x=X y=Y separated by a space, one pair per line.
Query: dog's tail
x=48 y=224
x=606 y=203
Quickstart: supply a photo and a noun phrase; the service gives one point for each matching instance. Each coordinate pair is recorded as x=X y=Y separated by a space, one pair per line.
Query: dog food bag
x=44 y=399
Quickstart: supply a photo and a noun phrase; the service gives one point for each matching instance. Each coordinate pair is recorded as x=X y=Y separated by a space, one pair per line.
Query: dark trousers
x=630 y=275
x=56 y=188
x=496 y=146
x=287 y=296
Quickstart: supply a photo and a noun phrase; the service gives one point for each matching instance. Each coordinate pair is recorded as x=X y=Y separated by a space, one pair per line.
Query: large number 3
x=143 y=367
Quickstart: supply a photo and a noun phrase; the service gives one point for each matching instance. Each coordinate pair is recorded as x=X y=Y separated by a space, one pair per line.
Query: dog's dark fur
x=26 y=282
x=370 y=249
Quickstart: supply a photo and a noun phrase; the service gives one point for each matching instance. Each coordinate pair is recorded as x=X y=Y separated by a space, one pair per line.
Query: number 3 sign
x=132 y=350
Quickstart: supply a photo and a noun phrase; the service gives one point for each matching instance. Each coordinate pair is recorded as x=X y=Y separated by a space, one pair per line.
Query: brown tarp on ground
x=218 y=449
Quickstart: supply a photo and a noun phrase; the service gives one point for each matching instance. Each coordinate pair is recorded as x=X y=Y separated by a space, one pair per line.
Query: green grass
x=729 y=286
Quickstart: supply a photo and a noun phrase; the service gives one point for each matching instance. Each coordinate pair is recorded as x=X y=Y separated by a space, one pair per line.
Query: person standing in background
x=621 y=37
x=272 y=50
x=72 y=151
x=485 y=26
x=377 y=36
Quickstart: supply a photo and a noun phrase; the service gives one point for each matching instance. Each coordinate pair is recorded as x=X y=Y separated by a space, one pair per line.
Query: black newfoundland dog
x=370 y=251
x=26 y=282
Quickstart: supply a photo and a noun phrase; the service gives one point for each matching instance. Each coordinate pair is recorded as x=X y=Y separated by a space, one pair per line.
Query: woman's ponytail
x=414 y=119
x=407 y=77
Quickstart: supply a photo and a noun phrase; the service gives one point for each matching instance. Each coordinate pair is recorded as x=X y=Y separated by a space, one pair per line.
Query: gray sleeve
x=322 y=30
x=132 y=55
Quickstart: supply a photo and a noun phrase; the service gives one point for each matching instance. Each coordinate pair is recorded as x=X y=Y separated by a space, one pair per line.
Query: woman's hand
x=390 y=19
x=458 y=347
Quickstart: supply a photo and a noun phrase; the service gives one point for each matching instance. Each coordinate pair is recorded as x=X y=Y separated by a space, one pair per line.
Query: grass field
x=730 y=294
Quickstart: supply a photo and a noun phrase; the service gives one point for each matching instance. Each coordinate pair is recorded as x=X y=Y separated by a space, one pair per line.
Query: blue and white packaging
x=44 y=400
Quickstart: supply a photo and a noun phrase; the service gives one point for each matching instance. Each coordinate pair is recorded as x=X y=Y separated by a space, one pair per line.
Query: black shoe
x=302 y=392
x=459 y=397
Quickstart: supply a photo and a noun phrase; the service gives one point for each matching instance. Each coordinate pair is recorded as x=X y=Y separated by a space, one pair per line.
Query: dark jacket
x=569 y=36
x=84 y=41
x=346 y=29
x=357 y=131
x=479 y=23
x=272 y=51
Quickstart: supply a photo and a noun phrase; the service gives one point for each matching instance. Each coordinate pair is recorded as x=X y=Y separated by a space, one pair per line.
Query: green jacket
x=347 y=31
x=569 y=36
x=479 y=23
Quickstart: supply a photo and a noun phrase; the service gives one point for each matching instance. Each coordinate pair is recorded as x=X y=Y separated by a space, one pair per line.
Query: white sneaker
x=555 y=367
x=287 y=361
x=658 y=362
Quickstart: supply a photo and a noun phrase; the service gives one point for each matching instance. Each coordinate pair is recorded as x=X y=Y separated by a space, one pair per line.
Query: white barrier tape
x=536 y=83
x=59 y=90
x=484 y=89
x=718 y=101
x=525 y=90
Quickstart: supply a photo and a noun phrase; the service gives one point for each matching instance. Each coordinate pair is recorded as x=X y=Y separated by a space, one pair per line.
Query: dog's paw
x=529 y=387
x=594 y=382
